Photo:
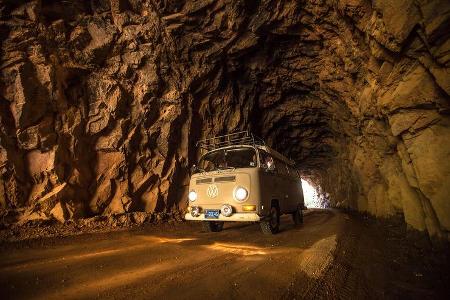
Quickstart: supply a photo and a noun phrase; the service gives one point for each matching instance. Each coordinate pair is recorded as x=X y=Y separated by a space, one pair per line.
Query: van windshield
x=228 y=159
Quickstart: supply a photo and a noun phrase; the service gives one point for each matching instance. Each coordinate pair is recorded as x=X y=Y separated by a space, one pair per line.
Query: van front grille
x=204 y=180
x=225 y=179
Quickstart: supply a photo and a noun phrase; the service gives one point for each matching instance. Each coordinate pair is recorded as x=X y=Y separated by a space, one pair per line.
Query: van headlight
x=240 y=194
x=192 y=196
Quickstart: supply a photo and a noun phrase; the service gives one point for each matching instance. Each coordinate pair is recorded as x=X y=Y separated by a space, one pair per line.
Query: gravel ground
x=333 y=255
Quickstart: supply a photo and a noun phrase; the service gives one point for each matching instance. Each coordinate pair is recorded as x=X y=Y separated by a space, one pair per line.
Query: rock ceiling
x=102 y=101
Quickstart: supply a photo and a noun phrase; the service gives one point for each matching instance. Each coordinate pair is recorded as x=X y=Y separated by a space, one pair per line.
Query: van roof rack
x=232 y=139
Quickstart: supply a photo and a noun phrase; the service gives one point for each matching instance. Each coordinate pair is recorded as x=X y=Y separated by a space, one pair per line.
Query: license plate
x=212 y=213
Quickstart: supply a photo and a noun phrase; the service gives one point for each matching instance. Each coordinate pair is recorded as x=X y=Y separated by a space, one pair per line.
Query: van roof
x=237 y=139
x=271 y=151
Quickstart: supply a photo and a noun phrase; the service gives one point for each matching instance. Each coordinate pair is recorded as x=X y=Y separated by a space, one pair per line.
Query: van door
x=269 y=180
x=285 y=187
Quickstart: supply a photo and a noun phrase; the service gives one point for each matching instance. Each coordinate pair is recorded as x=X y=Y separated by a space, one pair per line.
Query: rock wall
x=398 y=161
x=102 y=101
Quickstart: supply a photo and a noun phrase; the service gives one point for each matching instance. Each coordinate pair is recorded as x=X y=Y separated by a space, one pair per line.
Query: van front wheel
x=272 y=225
x=211 y=226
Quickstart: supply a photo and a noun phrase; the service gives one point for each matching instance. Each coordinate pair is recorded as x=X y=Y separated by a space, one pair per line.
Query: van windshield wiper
x=197 y=169
x=226 y=168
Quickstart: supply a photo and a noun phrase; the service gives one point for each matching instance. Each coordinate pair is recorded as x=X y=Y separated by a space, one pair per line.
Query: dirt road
x=332 y=255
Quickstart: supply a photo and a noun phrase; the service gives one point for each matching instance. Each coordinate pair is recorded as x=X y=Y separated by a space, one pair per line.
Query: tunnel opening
x=312 y=196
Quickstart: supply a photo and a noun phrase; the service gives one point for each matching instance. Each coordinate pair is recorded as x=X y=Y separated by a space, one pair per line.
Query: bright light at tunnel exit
x=310 y=194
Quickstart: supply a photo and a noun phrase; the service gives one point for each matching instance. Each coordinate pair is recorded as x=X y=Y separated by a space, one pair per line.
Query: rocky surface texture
x=40 y=229
x=102 y=101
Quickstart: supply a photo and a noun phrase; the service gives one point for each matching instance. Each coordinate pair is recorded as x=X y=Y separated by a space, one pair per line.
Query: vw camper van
x=240 y=179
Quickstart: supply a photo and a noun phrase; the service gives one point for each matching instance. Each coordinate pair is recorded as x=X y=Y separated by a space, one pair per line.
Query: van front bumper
x=236 y=217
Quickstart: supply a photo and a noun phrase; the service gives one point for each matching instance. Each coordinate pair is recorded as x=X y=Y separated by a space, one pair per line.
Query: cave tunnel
x=102 y=103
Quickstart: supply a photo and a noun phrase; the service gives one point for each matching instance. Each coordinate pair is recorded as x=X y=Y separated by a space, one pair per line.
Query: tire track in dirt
x=331 y=256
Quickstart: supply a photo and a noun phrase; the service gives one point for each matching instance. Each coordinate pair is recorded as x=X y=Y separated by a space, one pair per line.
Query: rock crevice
x=102 y=101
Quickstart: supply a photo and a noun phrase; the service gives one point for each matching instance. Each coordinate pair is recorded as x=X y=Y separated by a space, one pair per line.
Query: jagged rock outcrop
x=102 y=101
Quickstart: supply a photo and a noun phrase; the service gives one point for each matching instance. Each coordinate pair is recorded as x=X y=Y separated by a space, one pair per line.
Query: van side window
x=292 y=172
x=286 y=167
x=267 y=161
x=281 y=167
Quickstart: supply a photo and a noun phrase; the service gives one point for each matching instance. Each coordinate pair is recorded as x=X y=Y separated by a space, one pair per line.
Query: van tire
x=297 y=216
x=212 y=226
x=271 y=226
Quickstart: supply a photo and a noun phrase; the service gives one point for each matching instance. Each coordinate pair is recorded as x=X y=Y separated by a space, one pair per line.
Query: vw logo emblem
x=212 y=191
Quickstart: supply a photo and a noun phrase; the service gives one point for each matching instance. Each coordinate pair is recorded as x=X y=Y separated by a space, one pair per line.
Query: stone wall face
x=398 y=161
x=102 y=101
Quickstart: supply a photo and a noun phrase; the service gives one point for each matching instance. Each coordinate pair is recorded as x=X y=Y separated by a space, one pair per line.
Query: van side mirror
x=194 y=169
x=269 y=167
